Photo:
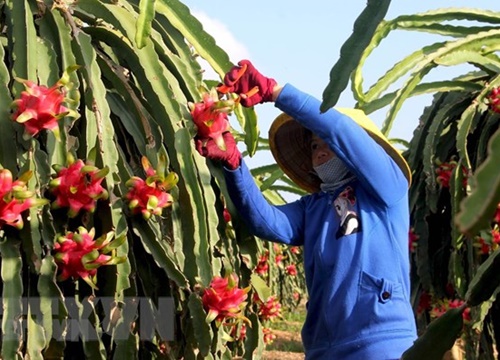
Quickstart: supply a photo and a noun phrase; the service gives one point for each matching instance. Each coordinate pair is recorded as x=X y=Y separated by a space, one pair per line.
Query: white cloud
x=224 y=39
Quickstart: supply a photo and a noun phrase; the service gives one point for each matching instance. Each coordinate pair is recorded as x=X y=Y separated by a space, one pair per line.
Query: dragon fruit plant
x=109 y=82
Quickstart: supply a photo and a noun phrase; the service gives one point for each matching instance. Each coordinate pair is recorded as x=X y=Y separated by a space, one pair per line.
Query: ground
x=282 y=355
x=287 y=345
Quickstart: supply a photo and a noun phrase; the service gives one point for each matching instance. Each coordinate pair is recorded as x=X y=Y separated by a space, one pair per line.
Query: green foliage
x=132 y=70
x=485 y=282
x=144 y=21
x=350 y=53
x=439 y=337
x=486 y=196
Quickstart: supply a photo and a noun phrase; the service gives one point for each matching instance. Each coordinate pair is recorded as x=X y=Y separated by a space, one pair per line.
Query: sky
x=298 y=42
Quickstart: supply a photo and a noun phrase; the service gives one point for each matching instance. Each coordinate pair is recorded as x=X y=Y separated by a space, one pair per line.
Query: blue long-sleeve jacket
x=357 y=276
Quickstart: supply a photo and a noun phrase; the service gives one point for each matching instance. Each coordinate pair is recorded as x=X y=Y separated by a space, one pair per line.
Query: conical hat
x=287 y=139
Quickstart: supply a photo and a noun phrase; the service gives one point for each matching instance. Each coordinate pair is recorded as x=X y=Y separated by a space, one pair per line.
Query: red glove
x=230 y=158
x=246 y=81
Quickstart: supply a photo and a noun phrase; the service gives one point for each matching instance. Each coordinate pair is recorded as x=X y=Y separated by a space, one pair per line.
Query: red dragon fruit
x=494 y=99
x=149 y=197
x=269 y=309
x=496 y=217
x=40 y=107
x=15 y=198
x=263 y=266
x=444 y=172
x=78 y=255
x=269 y=335
x=210 y=117
x=413 y=240
x=291 y=270
x=78 y=187
x=223 y=299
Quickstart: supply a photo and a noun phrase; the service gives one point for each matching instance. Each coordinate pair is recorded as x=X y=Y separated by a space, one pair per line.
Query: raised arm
x=276 y=223
x=372 y=165
x=282 y=224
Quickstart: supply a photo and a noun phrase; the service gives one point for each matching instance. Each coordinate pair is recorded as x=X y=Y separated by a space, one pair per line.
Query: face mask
x=331 y=171
x=333 y=174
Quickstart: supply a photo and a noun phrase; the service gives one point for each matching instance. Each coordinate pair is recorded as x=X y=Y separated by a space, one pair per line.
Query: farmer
x=353 y=225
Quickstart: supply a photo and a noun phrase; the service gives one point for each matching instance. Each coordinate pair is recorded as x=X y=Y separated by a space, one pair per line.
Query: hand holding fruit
x=230 y=157
x=246 y=81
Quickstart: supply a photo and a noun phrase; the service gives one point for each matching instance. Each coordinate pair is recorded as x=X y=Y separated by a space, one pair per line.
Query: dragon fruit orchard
x=120 y=210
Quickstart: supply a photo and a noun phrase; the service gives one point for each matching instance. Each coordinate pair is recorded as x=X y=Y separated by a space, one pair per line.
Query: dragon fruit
x=40 y=107
x=210 y=117
x=15 y=198
x=291 y=270
x=269 y=309
x=494 y=99
x=223 y=299
x=78 y=255
x=149 y=197
x=78 y=187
